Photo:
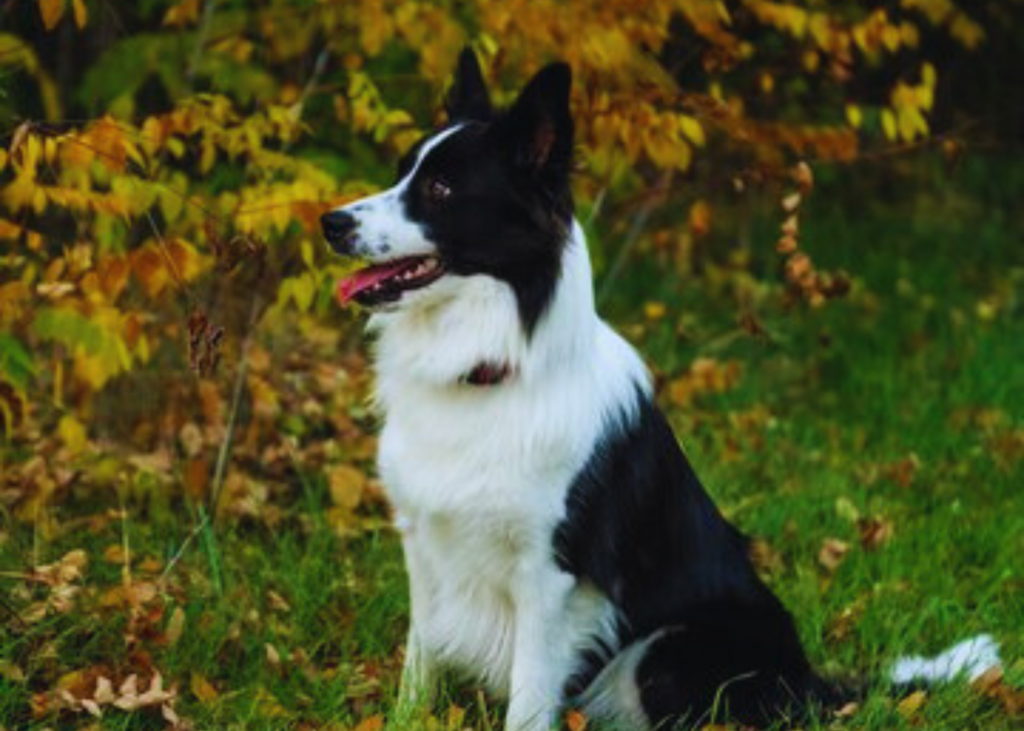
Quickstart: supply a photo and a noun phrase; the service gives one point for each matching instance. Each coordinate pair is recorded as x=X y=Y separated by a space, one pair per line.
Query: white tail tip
x=971 y=657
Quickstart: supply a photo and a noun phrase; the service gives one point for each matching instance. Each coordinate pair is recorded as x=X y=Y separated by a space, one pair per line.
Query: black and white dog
x=560 y=548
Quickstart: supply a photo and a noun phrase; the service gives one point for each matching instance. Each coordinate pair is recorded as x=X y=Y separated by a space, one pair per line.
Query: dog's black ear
x=538 y=127
x=467 y=98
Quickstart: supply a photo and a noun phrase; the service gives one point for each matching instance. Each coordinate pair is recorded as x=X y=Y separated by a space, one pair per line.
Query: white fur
x=613 y=698
x=479 y=476
x=972 y=657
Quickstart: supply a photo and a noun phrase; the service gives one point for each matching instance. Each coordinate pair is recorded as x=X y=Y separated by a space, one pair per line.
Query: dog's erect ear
x=538 y=127
x=467 y=98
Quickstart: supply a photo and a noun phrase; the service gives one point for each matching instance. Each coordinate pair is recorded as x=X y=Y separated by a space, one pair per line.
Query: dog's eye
x=438 y=190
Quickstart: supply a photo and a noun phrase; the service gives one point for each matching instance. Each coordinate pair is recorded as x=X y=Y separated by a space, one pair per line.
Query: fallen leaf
x=765 y=558
x=346 y=486
x=909 y=706
x=114 y=554
x=803 y=177
x=81 y=13
x=372 y=723
x=832 y=553
x=73 y=433
x=273 y=656
x=575 y=720
x=11 y=672
x=51 y=11
x=874 y=532
x=276 y=602
x=848 y=710
x=455 y=718
x=992 y=685
x=175 y=626
x=791 y=202
x=104 y=691
x=202 y=689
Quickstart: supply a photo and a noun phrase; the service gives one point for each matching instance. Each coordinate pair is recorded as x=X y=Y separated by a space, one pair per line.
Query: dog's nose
x=339 y=228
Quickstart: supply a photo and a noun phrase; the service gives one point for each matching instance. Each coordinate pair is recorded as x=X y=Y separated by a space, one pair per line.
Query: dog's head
x=486 y=195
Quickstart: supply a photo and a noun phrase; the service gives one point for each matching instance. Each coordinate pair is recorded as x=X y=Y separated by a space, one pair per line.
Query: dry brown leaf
x=840 y=627
x=11 y=672
x=765 y=558
x=18 y=138
x=874 y=532
x=91 y=707
x=51 y=11
x=81 y=13
x=455 y=717
x=786 y=245
x=903 y=471
x=700 y=218
x=196 y=477
x=175 y=626
x=114 y=554
x=273 y=656
x=575 y=720
x=832 y=553
x=803 y=177
x=991 y=685
x=104 y=691
x=277 y=603
x=909 y=706
x=371 y=723
x=791 y=202
x=346 y=485
x=848 y=710
x=203 y=689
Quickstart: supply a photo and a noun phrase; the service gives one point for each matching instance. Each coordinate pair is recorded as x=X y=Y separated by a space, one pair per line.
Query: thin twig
x=196 y=530
x=126 y=569
x=637 y=225
x=236 y=399
x=18 y=576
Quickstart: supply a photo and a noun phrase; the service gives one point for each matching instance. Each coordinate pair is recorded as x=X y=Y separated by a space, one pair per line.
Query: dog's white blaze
x=479 y=476
x=385 y=232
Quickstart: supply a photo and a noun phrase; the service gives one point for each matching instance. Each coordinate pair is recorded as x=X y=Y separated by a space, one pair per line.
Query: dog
x=559 y=547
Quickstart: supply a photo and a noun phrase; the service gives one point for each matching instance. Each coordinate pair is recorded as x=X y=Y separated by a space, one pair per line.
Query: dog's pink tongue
x=355 y=283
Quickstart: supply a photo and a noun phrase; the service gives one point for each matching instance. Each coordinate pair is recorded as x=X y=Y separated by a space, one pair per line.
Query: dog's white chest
x=478 y=498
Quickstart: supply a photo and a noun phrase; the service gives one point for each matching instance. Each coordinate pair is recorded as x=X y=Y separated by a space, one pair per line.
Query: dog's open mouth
x=386 y=282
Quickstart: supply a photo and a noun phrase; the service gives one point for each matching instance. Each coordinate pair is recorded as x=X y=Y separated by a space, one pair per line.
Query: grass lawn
x=874 y=448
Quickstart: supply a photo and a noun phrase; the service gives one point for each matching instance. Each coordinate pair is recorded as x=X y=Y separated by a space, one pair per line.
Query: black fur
x=640 y=526
x=510 y=207
x=468 y=98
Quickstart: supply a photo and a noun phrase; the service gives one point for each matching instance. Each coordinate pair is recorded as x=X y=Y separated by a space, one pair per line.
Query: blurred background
x=805 y=214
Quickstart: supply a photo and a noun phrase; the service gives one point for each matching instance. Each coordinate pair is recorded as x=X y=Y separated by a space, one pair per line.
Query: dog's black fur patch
x=510 y=209
x=640 y=527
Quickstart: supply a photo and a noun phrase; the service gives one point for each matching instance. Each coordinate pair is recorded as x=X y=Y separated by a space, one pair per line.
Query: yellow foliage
x=72 y=433
x=122 y=218
x=51 y=11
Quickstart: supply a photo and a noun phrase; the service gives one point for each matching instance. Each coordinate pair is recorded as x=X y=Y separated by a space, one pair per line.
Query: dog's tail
x=971 y=658
x=615 y=694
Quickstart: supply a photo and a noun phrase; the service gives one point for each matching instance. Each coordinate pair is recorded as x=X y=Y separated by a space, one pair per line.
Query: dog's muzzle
x=340 y=231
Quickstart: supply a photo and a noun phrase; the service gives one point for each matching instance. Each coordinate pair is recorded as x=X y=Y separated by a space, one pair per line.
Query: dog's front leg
x=542 y=652
x=419 y=672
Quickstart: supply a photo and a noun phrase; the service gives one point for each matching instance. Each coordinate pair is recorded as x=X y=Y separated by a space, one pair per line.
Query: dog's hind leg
x=736 y=662
x=727 y=661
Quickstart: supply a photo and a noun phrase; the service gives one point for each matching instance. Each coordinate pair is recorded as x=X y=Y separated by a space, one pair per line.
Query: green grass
x=908 y=367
